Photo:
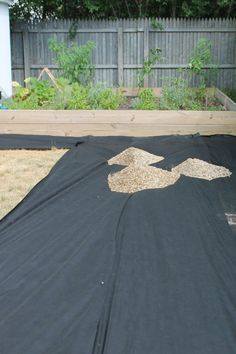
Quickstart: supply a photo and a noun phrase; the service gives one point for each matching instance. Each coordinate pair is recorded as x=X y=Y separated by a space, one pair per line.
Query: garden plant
x=74 y=88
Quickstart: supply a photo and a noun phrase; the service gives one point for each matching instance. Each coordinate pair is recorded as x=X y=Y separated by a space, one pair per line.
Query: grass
x=20 y=171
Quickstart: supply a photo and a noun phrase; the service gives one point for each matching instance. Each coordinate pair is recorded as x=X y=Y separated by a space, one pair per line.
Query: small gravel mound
x=201 y=169
x=134 y=156
x=137 y=178
x=139 y=175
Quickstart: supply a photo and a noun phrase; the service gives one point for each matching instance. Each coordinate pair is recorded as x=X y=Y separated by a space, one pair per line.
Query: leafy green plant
x=79 y=97
x=75 y=62
x=201 y=58
x=41 y=89
x=174 y=93
x=28 y=103
x=72 y=30
x=62 y=95
x=146 y=100
x=155 y=24
x=37 y=94
x=153 y=57
x=177 y=95
x=41 y=94
x=101 y=97
x=20 y=92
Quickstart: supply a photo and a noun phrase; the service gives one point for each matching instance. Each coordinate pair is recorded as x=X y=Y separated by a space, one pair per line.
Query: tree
x=78 y=9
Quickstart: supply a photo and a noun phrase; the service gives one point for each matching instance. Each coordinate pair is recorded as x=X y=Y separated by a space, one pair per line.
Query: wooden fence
x=122 y=45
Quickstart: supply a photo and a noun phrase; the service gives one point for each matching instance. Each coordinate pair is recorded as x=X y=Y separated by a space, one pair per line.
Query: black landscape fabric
x=84 y=270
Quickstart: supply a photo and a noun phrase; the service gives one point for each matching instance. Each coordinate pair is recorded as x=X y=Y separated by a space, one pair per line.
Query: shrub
x=28 y=103
x=199 y=59
x=177 y=95
x=43 y=95
x=75 y=62
x=79 y=97
x=37 y=94
x=146 y=100
x=101 y=97
x=62 y=96
x=42 y=90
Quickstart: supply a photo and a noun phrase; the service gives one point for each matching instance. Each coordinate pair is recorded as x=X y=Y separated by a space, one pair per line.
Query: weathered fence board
x=122 y=45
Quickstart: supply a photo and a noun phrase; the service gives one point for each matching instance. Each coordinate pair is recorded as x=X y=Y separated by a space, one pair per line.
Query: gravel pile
x=134 y=156
x=201 y=169
x=137 y=178
x=139 y=175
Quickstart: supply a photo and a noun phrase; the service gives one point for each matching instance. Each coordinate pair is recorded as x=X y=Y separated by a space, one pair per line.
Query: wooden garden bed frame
x=121 y=122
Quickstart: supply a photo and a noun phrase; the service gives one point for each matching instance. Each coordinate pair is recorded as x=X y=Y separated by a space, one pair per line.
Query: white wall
x=5 y=52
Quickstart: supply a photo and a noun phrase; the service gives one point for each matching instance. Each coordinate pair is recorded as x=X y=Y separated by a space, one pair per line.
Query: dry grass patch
x=20 y=171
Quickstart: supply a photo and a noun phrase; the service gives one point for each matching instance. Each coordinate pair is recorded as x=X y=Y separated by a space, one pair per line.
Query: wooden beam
x=130 y=30
x=115 y=129
x=126 y=66
x=123 y=122
x=130 y=117
x=229 y=104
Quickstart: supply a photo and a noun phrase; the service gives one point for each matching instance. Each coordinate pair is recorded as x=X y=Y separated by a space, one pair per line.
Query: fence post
x=145 y=48
x=120 y=57
x=25 y=34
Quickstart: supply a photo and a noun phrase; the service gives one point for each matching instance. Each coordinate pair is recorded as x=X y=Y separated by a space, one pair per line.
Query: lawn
x=20 y=171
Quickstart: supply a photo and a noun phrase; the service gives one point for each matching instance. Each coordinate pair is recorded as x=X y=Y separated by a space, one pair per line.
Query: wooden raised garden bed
x=121 y=122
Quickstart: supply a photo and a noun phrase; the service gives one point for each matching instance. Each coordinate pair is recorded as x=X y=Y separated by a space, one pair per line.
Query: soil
x=211 y=104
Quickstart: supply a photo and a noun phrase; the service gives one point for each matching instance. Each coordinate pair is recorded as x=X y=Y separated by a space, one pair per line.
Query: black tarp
x=43 y=142
x=84 y=270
